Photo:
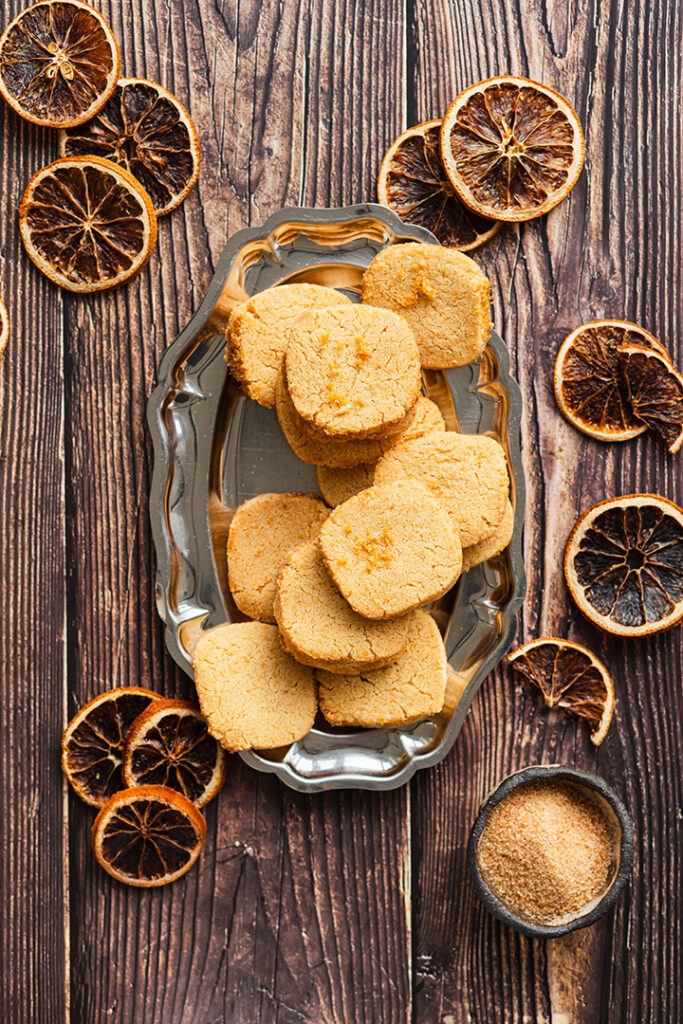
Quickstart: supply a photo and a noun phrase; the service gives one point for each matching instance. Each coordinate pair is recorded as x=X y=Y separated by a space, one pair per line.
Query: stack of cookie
x=336 y=595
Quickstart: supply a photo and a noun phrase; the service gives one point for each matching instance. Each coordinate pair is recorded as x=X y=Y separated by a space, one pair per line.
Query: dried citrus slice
x=570 y=677
x=512 y=148
x=413 y=183
x=92 y=744
x=147 y=130
x=4 y=326
x=87 y=223
x=624 y=564
x=588 y=379
x=654 y=391
x=59 y=63
x=148 y=835
x=170 y=745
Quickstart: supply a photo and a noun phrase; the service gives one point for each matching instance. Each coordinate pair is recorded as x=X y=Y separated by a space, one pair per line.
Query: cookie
x=442 y=294
x=263 y=533
x=411 y=688
x=427 y=419
x=390 y=549
x=257 y=334
x=338 y=485
x=317 y=452
x=467 y=472
x=251 y=692
x=319 y=628
x=352 y=372
x=497 y=542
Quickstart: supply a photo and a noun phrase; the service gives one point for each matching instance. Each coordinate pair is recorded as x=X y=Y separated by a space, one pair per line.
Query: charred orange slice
x=92 y=744
x=624 y=564
x=570 y=677
x=59 y=63
x=145 y=129
x=588 y=379
x=169 y=745
x=654 y=391
x=4 y=326
x=413 y=183
x=148 y=836
x=512 y=148
x=87 y=223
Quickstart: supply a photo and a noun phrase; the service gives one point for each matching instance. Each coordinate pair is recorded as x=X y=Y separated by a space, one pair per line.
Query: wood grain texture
x=609 y=251
x=33 y=941
x=345 y=908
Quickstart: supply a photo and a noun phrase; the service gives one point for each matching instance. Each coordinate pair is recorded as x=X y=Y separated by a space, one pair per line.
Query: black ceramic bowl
x=622 y=830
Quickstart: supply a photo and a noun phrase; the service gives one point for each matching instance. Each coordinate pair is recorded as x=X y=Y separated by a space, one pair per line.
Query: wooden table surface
x=351 y=907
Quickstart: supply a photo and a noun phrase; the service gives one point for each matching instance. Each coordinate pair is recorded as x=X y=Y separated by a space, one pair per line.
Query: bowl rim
x=548 y=772
x=164 y=464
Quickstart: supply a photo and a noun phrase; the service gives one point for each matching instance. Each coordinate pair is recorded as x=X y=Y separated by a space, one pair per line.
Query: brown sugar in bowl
x=620 y=828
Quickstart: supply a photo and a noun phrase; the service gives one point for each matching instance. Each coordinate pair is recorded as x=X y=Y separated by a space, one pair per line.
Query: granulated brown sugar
x=546 y=851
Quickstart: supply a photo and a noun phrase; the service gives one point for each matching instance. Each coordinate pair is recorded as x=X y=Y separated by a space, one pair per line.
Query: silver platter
x=213 y=449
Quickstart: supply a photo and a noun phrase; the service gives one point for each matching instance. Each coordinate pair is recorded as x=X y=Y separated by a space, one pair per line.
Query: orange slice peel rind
x=570 y=677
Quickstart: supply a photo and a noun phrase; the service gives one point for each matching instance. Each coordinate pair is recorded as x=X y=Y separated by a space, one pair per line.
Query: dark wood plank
x=33 y=940
x=610 y=251
x=298 y=910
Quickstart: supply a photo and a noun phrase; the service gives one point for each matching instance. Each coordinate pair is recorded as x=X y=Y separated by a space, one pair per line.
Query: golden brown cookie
x=338 y=485
x=251 y=692
x=319 y=452
x=390 y=549
x=352 y=372
x=493 y=545
x=263 y=533
x=467 y=472
x=319 y=628
x=427 y=419
x=410 y=689
x=442 y=294
x=257 y=334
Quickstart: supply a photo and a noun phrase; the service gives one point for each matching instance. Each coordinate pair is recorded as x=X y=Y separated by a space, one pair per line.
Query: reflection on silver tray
x=213 y=449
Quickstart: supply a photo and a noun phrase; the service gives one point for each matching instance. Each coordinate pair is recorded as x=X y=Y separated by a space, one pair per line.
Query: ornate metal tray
x=213 y=449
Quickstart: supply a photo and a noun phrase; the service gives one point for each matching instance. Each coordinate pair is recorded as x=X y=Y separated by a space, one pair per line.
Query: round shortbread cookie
x=352 y=372
x=319 y=628
x=390 y=549
x=427 y=419
x=467 y=472
x=251 y=692
x=263 y=533
x=257 y=334
x=442 y=294
x=338 y=485
x=410 y=689
x=493 y=545
x=316 y=452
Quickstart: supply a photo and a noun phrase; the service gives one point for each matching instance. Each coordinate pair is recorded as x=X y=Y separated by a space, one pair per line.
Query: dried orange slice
x=148 y=835
x=413 y=183
x=59 y=63
x=570 y=677
x=512 y=148
x=92 y=744
x=4 y=326
x=147 y=130
x=169 y=745
x=588 y=379
x=87 y=223
x=624 y=564
x=654 y=391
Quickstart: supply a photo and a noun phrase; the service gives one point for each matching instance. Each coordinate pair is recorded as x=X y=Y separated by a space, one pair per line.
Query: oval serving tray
x=213 y=449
